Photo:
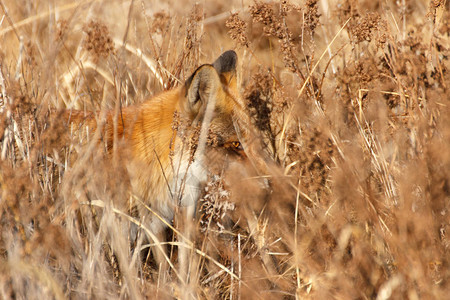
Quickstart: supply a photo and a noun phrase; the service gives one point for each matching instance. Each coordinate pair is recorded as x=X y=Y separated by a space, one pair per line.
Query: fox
x=169 y=139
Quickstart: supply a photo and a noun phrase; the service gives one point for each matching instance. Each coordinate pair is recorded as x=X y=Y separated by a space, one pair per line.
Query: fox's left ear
x=225 y=65
x=200 y=87
x=208 y=81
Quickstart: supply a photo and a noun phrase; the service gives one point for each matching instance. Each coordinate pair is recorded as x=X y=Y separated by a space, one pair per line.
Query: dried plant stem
x=288 y=118
x=58 y=9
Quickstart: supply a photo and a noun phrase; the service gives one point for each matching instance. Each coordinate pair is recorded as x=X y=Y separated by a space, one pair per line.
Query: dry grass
x=348 y=99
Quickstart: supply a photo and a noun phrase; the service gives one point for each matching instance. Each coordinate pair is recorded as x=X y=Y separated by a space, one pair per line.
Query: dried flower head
x=237 y=28
x=98 y=41
x=160 y=22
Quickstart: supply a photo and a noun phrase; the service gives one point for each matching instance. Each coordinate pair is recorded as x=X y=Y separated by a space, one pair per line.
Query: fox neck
x=177 y=148
x=188 y=164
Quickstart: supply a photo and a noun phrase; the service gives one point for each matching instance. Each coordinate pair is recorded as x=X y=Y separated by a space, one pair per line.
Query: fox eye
x=236 y=145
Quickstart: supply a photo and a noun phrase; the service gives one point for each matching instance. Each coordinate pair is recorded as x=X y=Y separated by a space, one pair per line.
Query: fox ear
x=225 y=65
x=203 y=84
x=226 y=62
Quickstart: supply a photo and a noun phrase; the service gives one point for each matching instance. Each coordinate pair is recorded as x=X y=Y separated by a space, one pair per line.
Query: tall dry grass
x=349 y=107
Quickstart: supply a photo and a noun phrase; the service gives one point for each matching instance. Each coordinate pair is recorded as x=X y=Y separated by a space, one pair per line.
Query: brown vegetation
x=350 y=129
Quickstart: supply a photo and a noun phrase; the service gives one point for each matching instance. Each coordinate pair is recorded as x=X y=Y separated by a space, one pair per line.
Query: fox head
x=211 y=100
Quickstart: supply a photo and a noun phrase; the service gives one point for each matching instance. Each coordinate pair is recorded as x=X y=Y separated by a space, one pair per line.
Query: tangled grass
x=348 y=100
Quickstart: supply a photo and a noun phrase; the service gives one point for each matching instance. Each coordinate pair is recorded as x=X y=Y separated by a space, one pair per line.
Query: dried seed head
x=98 y=41
x=237 y=29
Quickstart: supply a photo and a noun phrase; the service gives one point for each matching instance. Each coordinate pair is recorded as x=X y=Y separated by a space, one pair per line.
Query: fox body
x=169 y=139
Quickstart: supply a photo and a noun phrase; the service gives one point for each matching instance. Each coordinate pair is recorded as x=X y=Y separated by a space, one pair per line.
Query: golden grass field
x=349 y=100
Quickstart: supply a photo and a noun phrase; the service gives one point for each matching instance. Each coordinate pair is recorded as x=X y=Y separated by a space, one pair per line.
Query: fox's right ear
x=225 y=66
x=226 y=63
x=203 y=83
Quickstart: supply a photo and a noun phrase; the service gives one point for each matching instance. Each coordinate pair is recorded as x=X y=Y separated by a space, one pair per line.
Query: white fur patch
x=186 y=184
